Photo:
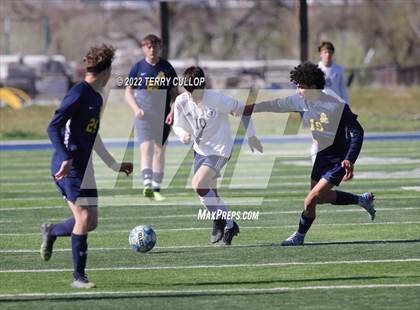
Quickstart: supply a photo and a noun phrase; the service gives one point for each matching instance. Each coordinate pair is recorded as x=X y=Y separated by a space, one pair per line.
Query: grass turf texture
x=347 y=263
x=402 y=113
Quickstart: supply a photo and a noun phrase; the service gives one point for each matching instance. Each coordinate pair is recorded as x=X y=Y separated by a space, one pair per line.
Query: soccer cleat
x=230 y=233
x=158 y=196
x=366 y=202
x=82 y=282
x=295 y=239
x=218 y=230
x=148 y=192
x=47 y=241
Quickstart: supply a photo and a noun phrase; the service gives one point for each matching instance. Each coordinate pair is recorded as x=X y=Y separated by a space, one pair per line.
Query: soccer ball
x=142 y=238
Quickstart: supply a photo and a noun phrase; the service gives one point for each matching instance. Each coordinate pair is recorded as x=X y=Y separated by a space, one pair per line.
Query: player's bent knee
x=311 y=200
x=199 y=187
x=202 y=191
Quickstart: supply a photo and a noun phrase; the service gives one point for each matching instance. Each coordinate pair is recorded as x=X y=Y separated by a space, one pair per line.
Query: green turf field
x=347 y=262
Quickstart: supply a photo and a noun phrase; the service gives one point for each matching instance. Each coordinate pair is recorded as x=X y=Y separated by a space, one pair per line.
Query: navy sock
x=79 y=250
x=156 y=181
x=304 y=224
x=344 y=198
x=63 y=229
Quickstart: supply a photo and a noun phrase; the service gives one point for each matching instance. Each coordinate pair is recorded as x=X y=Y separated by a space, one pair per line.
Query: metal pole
x=303 y=20
x=164 y=30
x=7 y=35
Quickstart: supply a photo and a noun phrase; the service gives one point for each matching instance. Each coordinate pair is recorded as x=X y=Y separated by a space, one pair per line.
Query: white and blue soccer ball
x=142 y=238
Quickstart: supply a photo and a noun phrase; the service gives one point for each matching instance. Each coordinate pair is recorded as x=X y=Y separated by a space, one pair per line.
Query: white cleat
x=295 y=239
x=366 y=201
x=82 y=283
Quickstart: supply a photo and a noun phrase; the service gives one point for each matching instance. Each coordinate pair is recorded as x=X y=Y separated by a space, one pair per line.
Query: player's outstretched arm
x=238 y=108
x=109 y=160
x=280 y=105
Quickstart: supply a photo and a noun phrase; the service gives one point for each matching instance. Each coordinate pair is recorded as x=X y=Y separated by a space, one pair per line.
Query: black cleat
x=230 y=233
x=47 y=241
x=218 y=230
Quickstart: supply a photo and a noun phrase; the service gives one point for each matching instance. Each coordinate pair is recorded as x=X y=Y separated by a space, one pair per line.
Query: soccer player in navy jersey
x=150 y=93
x=73 y=132
x=334 y=79
x=328 y=118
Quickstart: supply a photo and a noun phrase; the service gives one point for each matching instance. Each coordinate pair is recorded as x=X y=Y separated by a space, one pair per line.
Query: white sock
x=155 y=184
x=214 y=203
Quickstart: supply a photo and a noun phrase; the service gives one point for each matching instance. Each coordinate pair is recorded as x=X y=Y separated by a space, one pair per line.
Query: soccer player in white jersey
x=203 y=116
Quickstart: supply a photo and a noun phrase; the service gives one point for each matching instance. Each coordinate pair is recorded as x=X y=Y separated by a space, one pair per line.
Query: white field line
x=208 y=292
x=236 y=187
x=176 y=247
x=230 y=202
x=107 y=232
x=110 y=184
x=253 y=165
x=145 y=202
x=344 y=262
x=194 y=215
x=53 y=189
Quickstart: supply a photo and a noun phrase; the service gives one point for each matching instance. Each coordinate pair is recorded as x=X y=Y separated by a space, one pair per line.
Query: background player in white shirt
x=334 y=73
x=334 y=79
x=203 y=115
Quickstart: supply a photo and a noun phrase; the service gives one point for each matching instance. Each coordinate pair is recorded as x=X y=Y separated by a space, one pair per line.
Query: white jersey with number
x=334 y=80
x=207 y=122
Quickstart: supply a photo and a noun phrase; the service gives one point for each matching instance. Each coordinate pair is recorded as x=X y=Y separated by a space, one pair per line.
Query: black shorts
x=81 y=191
x=329 y=169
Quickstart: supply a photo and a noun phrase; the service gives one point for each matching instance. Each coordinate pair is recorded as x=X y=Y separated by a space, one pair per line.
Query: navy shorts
x=79 y=190
x=152 y=128
x=330 y=170
x=213 y=161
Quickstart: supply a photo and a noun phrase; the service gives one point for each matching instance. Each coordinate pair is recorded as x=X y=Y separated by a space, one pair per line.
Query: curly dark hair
x=99 y=58
x=308 y=74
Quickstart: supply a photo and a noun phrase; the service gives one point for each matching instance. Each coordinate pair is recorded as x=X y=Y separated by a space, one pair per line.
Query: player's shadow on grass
x=290 y=280
x=140 y=296
x=362 y=242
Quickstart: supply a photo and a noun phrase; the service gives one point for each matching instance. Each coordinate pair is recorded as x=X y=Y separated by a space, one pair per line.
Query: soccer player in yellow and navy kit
x=329 y=119
x=150 y=96
x=73 y=132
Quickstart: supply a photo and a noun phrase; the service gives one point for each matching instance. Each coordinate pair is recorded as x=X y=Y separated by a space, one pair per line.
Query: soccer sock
x=344 y=198
x=156 y=181
x=63 y=229
x=147 y=174
x=79 y=250
x=229 y=222
x=217 y=206
x=304 y=224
